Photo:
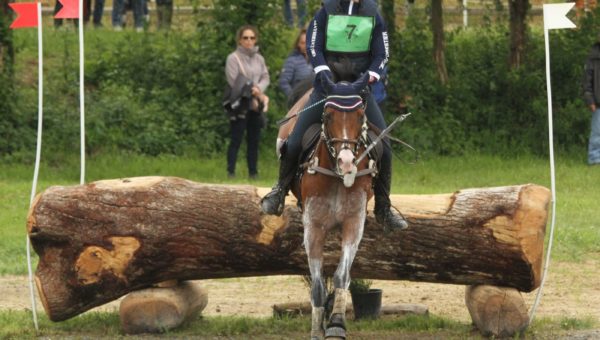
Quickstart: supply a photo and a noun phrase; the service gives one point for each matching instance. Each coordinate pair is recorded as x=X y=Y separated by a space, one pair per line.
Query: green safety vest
x=349 y=33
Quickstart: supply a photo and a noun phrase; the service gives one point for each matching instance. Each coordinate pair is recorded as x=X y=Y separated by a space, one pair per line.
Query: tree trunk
x=99 y=241
x=497 y=311
x=437 y=27
x=6 y=46
x=7 y=116
x=518 y=30
x=389 y=16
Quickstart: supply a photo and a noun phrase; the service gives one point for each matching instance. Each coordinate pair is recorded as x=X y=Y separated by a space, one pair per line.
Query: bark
x=497 y=311
x=99 y=241
x=518 y=31
x=437 y=27
x=159 y=309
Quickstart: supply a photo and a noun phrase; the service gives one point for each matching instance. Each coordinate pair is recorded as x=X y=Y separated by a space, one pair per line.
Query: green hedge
x=160 y=92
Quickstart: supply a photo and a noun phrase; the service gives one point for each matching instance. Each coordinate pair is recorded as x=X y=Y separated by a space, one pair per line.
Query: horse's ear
x=361 y=82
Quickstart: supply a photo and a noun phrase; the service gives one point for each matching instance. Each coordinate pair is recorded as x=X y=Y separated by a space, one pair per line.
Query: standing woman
x=297 y=71
x=248 y=64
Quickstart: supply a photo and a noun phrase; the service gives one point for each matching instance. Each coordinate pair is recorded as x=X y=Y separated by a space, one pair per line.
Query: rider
x=343 y=32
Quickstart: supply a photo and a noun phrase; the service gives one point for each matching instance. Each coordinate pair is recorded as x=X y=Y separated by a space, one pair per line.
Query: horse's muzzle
x=345 y=166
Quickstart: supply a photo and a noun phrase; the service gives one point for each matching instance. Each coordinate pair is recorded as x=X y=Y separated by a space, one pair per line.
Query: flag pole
x=38 y=152
x=81 y=93
x=555 y=17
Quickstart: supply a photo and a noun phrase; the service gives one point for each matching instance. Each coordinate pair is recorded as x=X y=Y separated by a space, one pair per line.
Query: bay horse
x=334 y=190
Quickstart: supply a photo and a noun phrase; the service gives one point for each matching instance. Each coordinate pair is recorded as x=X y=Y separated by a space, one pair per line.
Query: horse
x=333 y=189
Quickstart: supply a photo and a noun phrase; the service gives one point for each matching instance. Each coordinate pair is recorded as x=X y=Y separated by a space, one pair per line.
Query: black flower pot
x=367 y=305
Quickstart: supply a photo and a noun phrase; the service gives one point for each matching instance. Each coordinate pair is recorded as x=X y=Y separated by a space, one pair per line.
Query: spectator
x=591 y=94
x=97 y=14
x=296 y=69
x=118 y=14
x=248 y=64
x=289 y=16
x=164 y=13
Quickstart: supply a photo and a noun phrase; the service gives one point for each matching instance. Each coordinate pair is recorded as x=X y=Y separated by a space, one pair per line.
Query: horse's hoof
x=335 y=333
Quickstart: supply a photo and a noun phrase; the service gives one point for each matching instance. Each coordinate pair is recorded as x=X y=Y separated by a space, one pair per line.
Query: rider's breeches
x=251 y=126
x=313 y=115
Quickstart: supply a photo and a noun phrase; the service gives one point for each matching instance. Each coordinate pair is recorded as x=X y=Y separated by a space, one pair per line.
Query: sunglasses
x=249 y=38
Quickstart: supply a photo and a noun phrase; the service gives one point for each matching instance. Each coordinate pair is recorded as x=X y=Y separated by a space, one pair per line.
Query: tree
x=389 y=16
x=518 y=30
x=437 y=27
x=6 y=77
x=6 y=46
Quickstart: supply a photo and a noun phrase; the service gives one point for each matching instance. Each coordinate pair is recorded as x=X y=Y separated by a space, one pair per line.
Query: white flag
x=555 y=16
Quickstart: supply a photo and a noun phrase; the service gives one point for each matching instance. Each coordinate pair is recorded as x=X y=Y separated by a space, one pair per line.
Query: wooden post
x=497 y=311
x=159 y=309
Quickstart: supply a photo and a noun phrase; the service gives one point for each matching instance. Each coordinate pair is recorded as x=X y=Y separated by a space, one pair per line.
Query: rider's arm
x=315 y=41
x=380 y=50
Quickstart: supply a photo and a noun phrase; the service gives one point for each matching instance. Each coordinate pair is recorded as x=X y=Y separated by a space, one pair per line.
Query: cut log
x=99 y=241
x=157 y=310
x=497 y=311
x=292 y=309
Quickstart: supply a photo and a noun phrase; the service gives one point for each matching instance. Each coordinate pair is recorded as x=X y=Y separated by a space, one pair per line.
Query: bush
x=160 y=93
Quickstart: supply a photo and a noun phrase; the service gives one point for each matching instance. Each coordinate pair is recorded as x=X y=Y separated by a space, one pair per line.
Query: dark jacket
x=295 y=69
x=378 y=55
x=591 y=77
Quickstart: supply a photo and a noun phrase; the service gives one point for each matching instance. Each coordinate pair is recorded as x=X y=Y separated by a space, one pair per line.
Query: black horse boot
x=274 y=201
x=383 y=214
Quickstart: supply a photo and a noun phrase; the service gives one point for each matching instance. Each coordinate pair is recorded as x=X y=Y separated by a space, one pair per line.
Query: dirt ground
x=571 y=290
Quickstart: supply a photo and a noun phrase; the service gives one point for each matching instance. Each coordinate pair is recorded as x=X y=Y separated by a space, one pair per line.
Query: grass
x=17 y=324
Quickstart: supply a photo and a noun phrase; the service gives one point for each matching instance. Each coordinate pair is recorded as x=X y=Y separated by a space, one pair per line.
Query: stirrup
x=273 y=202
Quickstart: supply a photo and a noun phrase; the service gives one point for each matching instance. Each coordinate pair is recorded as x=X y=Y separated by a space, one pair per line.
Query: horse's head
x=344 y=122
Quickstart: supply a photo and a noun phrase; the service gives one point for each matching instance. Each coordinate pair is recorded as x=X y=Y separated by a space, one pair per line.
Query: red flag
x=27 y=14
x=70 y=10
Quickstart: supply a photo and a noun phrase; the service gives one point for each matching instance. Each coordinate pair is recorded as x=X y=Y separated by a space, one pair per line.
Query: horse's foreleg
x=352 y=231
x=314 y=238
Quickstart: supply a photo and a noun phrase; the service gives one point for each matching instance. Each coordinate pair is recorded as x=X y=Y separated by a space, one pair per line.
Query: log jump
x=100 y=241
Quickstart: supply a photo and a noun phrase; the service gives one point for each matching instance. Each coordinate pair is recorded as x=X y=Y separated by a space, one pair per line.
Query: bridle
x=347 y=144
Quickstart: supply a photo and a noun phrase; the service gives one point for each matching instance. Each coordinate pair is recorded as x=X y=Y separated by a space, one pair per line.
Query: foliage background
x=159 y=93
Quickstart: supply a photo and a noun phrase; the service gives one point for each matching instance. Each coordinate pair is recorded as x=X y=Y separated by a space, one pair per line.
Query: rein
x=285 y=120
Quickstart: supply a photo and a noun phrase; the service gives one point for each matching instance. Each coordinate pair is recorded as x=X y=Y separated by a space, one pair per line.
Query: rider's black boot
x=390 y=220
x=273 y=202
